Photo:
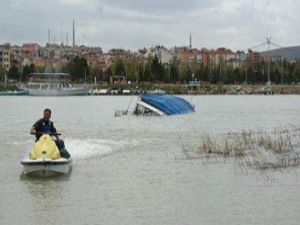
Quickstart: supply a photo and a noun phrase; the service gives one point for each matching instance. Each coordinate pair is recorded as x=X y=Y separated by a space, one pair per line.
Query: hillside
x=290 y=53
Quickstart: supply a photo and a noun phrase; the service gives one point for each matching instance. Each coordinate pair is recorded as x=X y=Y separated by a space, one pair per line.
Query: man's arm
x=53 y=130
x=35 y=127
x=33 y=130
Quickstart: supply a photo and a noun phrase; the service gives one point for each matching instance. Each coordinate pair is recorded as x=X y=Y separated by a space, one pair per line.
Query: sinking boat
x=162 y=105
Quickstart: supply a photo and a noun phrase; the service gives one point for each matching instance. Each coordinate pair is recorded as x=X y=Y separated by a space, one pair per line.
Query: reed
x=279 y=148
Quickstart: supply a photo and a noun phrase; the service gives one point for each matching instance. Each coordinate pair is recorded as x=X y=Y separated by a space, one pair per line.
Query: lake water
x=132 y=170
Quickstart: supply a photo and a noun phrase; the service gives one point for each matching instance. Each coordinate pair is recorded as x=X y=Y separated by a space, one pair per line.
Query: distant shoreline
x=208 y=89
x=181 y=89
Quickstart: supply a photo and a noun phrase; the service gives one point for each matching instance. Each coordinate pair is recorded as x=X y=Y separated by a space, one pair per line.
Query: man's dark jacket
x=43 y=126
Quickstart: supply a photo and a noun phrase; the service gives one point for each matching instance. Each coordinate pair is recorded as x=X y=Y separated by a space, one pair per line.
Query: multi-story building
x=223 y=55
x=192 y=56
x=15 y=55
x=163 y=54
x=255 y=57
x=206 y=56
x=30 y=50
x=56 y=57
x=240 y=59
x=5 y=56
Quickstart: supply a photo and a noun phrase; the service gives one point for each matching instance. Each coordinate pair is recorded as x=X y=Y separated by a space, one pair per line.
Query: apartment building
x=5 y=56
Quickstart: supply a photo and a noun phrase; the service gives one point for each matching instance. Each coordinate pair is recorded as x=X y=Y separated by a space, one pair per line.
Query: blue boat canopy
x=170 y=105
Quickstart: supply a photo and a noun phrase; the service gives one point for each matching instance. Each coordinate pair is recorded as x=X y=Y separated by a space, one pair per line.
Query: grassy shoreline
x=209 y=89
x=183 y=89
x=8 y=87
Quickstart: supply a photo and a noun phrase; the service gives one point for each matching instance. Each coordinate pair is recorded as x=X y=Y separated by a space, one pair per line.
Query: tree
x=296 y=72
x=118 y=67
x=173 y=72
x=13 y=73
x=202 y=73
x=228 y=74
x=141 y=72
x=184 y=71
x=32 y=68
x=132 y=68
x=25 y=73
x=194 y=66
x=147 y=72
x=157 y=71
x=108 y=74
x=78 y=68
x=2 y=73
x=97 y=72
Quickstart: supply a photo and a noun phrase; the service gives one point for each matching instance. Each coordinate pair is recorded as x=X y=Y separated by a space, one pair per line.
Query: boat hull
x=67 y=92
x=14 y=93
x=46 y=166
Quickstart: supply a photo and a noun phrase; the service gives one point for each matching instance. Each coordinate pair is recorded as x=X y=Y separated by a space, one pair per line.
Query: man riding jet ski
x=45 y=126
x=47 y=155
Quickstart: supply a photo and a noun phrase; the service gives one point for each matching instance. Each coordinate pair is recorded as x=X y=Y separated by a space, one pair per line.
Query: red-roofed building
x=30 y=50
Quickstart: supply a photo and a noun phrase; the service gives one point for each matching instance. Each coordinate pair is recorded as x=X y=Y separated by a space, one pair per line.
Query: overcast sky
x=133 y=24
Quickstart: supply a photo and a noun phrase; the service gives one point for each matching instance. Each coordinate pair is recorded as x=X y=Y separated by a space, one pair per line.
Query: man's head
x=47 y=114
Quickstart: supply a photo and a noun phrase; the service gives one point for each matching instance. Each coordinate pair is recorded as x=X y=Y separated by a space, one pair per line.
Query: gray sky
x=133 y=24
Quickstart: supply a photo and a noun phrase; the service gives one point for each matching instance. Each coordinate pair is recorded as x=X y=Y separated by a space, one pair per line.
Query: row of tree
x=153 y=70
x=15 y=74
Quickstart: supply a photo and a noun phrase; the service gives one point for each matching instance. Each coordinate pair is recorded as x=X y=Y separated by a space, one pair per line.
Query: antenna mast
x=269 y=57
x=49 y=37
x=73 y=33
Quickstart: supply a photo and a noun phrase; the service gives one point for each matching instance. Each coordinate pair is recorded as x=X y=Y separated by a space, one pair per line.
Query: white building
x=164 y=55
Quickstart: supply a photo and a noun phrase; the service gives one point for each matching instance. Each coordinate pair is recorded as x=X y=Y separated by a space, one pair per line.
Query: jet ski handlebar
x=51 y=134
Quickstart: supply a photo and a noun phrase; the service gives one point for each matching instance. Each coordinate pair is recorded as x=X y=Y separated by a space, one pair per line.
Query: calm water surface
x=132 y=170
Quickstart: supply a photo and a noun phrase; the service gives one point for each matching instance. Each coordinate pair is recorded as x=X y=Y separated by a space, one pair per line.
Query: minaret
x=62 y=32
x=73 y=33
x=49 y=37
x=67 y=39
x=190 y=41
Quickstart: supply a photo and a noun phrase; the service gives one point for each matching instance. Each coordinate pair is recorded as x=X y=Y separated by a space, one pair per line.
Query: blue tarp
x=170 y=105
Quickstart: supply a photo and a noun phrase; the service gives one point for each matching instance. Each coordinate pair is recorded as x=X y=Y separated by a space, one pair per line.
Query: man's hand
x=33 y=131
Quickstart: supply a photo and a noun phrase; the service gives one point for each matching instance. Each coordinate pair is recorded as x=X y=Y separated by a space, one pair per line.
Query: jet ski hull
x=46 y=166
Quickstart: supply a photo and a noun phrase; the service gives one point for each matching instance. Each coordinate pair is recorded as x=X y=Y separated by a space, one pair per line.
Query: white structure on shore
x=53 y=84
x=163 y=54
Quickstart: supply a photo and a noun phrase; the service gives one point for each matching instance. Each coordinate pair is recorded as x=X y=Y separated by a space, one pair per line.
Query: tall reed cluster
x=280 y=148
